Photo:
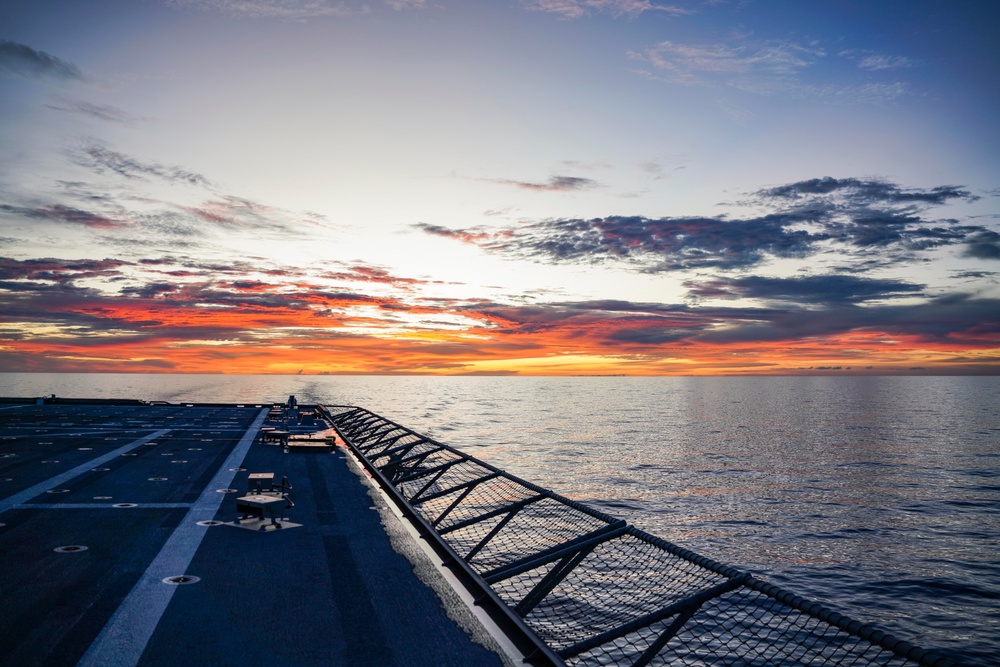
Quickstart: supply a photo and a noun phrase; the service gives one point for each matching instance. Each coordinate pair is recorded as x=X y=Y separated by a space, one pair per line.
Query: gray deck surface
x=331 y=592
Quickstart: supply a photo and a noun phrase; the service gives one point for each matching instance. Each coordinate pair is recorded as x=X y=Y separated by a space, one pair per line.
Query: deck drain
x=51 y=461
x=182 y=579
x=99 y=469
x=84 y=449
x=157 y=479
x=130 y=454
x=194 y=449
x=210 y=522
x=237 y=470
x=125 y=505
x=7 y=455
x=6 y=479
x=57 y=491
x=227 y=491
x=178 y=461
x=102 y=497
x=70 y=549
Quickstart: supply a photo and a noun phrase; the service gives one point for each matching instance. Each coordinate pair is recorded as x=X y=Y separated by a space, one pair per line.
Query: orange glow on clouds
x=320 y=335
x=286 y=321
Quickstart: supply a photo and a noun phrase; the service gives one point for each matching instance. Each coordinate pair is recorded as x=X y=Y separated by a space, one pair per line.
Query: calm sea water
x=877 y=495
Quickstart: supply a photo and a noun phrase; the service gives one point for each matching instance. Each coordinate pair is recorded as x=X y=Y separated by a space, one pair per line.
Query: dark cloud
x=852 y=216
x=611 y=322
x=24 y=61
x=975 y=275
x=61 y=213
x=103 y=160
x=653 y=335
x=867 y=191
x=150 y=290
x=554 y=184
x=58 y=270
x=649 y=328
x=663 y=244
x=828 y=289
x=983 y=245
x=958 y=319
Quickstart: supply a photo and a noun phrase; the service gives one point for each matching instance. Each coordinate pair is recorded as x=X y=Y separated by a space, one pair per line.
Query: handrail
x=571 y=585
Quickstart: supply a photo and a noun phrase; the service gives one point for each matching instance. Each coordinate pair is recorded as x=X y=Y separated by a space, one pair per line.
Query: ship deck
x=118 y=547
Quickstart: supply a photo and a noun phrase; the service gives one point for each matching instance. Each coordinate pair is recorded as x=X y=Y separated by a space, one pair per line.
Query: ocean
x=879 y=496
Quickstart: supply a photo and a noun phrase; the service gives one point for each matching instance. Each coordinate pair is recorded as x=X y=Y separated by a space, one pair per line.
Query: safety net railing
x=594 y=590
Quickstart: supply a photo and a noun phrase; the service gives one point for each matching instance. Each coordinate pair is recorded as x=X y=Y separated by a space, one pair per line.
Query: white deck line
x=124 y=637
x=59 y=480
x=109 y=505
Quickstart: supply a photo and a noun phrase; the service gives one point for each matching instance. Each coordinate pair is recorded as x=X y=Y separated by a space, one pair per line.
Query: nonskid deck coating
x=332 y=592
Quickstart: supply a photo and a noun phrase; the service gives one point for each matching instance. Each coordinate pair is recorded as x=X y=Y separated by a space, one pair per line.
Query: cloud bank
x=805 y=218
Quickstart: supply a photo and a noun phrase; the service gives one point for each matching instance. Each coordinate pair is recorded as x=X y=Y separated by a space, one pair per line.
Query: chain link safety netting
x=598 y=591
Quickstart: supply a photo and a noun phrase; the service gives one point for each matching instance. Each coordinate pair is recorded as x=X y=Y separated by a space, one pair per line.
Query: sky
x=533 y=187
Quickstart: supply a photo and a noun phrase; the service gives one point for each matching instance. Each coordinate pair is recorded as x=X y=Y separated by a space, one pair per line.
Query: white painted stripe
x=124 y=637
x=60 y=480
x=109 y=505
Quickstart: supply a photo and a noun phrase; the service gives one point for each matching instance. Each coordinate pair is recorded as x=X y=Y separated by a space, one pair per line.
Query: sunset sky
x=690 y=187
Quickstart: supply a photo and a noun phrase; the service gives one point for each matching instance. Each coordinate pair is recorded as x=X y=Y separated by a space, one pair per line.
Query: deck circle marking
x=237 y=469
x=85 y=449
x=210 y=522
x=51 y=461
x=70 y=549
x=130 y=454
x=194 y=449
x=123 y=505
x=99 y=469
x=102 y=497
x=181 y=580
x=227 y=490
x=57 y=491
x=178 y=461
x=7 y=455
x=157 y=479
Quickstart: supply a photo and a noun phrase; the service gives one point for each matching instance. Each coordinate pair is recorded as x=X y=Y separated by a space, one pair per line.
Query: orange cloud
x=287 y=321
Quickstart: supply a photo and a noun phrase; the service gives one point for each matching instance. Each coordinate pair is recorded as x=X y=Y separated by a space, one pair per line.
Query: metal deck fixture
x=570 y=585
x=265 y=500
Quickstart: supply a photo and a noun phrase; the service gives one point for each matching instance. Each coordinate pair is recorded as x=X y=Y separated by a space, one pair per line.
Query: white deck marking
x=59 y=480
x=109 y=505
x=124 y=637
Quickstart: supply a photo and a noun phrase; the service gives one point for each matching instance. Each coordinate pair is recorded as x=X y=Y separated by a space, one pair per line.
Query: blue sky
x=536 y=186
